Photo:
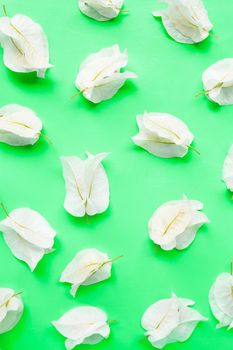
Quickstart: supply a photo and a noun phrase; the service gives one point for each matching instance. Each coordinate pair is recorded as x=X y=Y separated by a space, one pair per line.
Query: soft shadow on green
x=40 y=147
x=173 y=161
x=30 y=80
x=87 y=221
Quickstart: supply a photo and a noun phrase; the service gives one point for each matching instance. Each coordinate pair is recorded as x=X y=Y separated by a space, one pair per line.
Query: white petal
x=81 y=324
x=22 y=249
x=89 y=266
x=109 y=58
x=74 y=176
x=224 y=319
x=97 y=184
x=13 y=57
x=163 y=135
x=161 y=318
x=19 y=126
x=185 y=239
x=101 y=10
x=189 y=319
x=11 y=309
x=103 y=332
x=186 y=21
x=25 y=45
x=100 y=77
x=108 y=87
x=175 y=223
x=28 y=235
x=169 y=221
x=218 y=81
x=169 y=321
x=223 y=293
x=87 y=187
x=228 y=169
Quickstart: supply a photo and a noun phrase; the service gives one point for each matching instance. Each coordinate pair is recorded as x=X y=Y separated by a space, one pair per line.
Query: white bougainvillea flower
x=170 y=320
x=100 y=75
x=19 y=126
x=186 y=21
x=25 y=45
x=11 y=309
x=163 y=135
x=87 y=187
x=228 y=169
x=28 y=235
x=218 y=82
x=89 y=266
x=83 y=325
x=101 y=10
x=221 y=300
x=175 y=223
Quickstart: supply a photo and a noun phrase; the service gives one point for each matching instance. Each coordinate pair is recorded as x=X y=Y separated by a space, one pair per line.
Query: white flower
x=218 y=82
x=89 y=266
x=19 y=126
x=25 y=45
x=11 y=309
x=101 y=10
x=228 y=169
x=100 y=75
x=170 y=320
x=28 y=235
x=186 y=21
x=163 y=135
x=83 y=325
x=175 y=223
x=87 y=187
x=221 y=300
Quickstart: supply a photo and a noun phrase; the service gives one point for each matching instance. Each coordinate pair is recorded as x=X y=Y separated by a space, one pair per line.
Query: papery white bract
x=28 y=235
x=163 y=135
x=87 y=187
x=19 y=126
x=221 y=300
x=101 y=10
x=25 y=45
x=175 y=223
x=11 y=309
x=170 y=320
x=186 y=21
x=228 y=169
x=89 y=266
x=218 y=82
x=100 y=75
x=83 y=325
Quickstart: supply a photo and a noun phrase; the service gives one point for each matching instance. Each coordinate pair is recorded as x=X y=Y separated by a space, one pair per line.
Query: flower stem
x=46 y=138
x=202 y=93
x=194 y=150
x=76 y=94
x=4 y=209
x=116 y=258
x=4 y=10
x=87 y=219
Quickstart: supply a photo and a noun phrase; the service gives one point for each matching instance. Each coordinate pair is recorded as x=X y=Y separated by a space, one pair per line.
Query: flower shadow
x=88 y=222
x=30 y=79
x=40 y=147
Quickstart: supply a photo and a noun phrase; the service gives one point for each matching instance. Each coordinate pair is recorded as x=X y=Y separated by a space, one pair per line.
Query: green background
x=169 y=76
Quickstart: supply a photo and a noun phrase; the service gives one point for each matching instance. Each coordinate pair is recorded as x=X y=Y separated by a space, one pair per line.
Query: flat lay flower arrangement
x=116 y=175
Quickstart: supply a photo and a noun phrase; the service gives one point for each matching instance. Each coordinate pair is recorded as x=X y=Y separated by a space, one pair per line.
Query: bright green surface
x=169 y=76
